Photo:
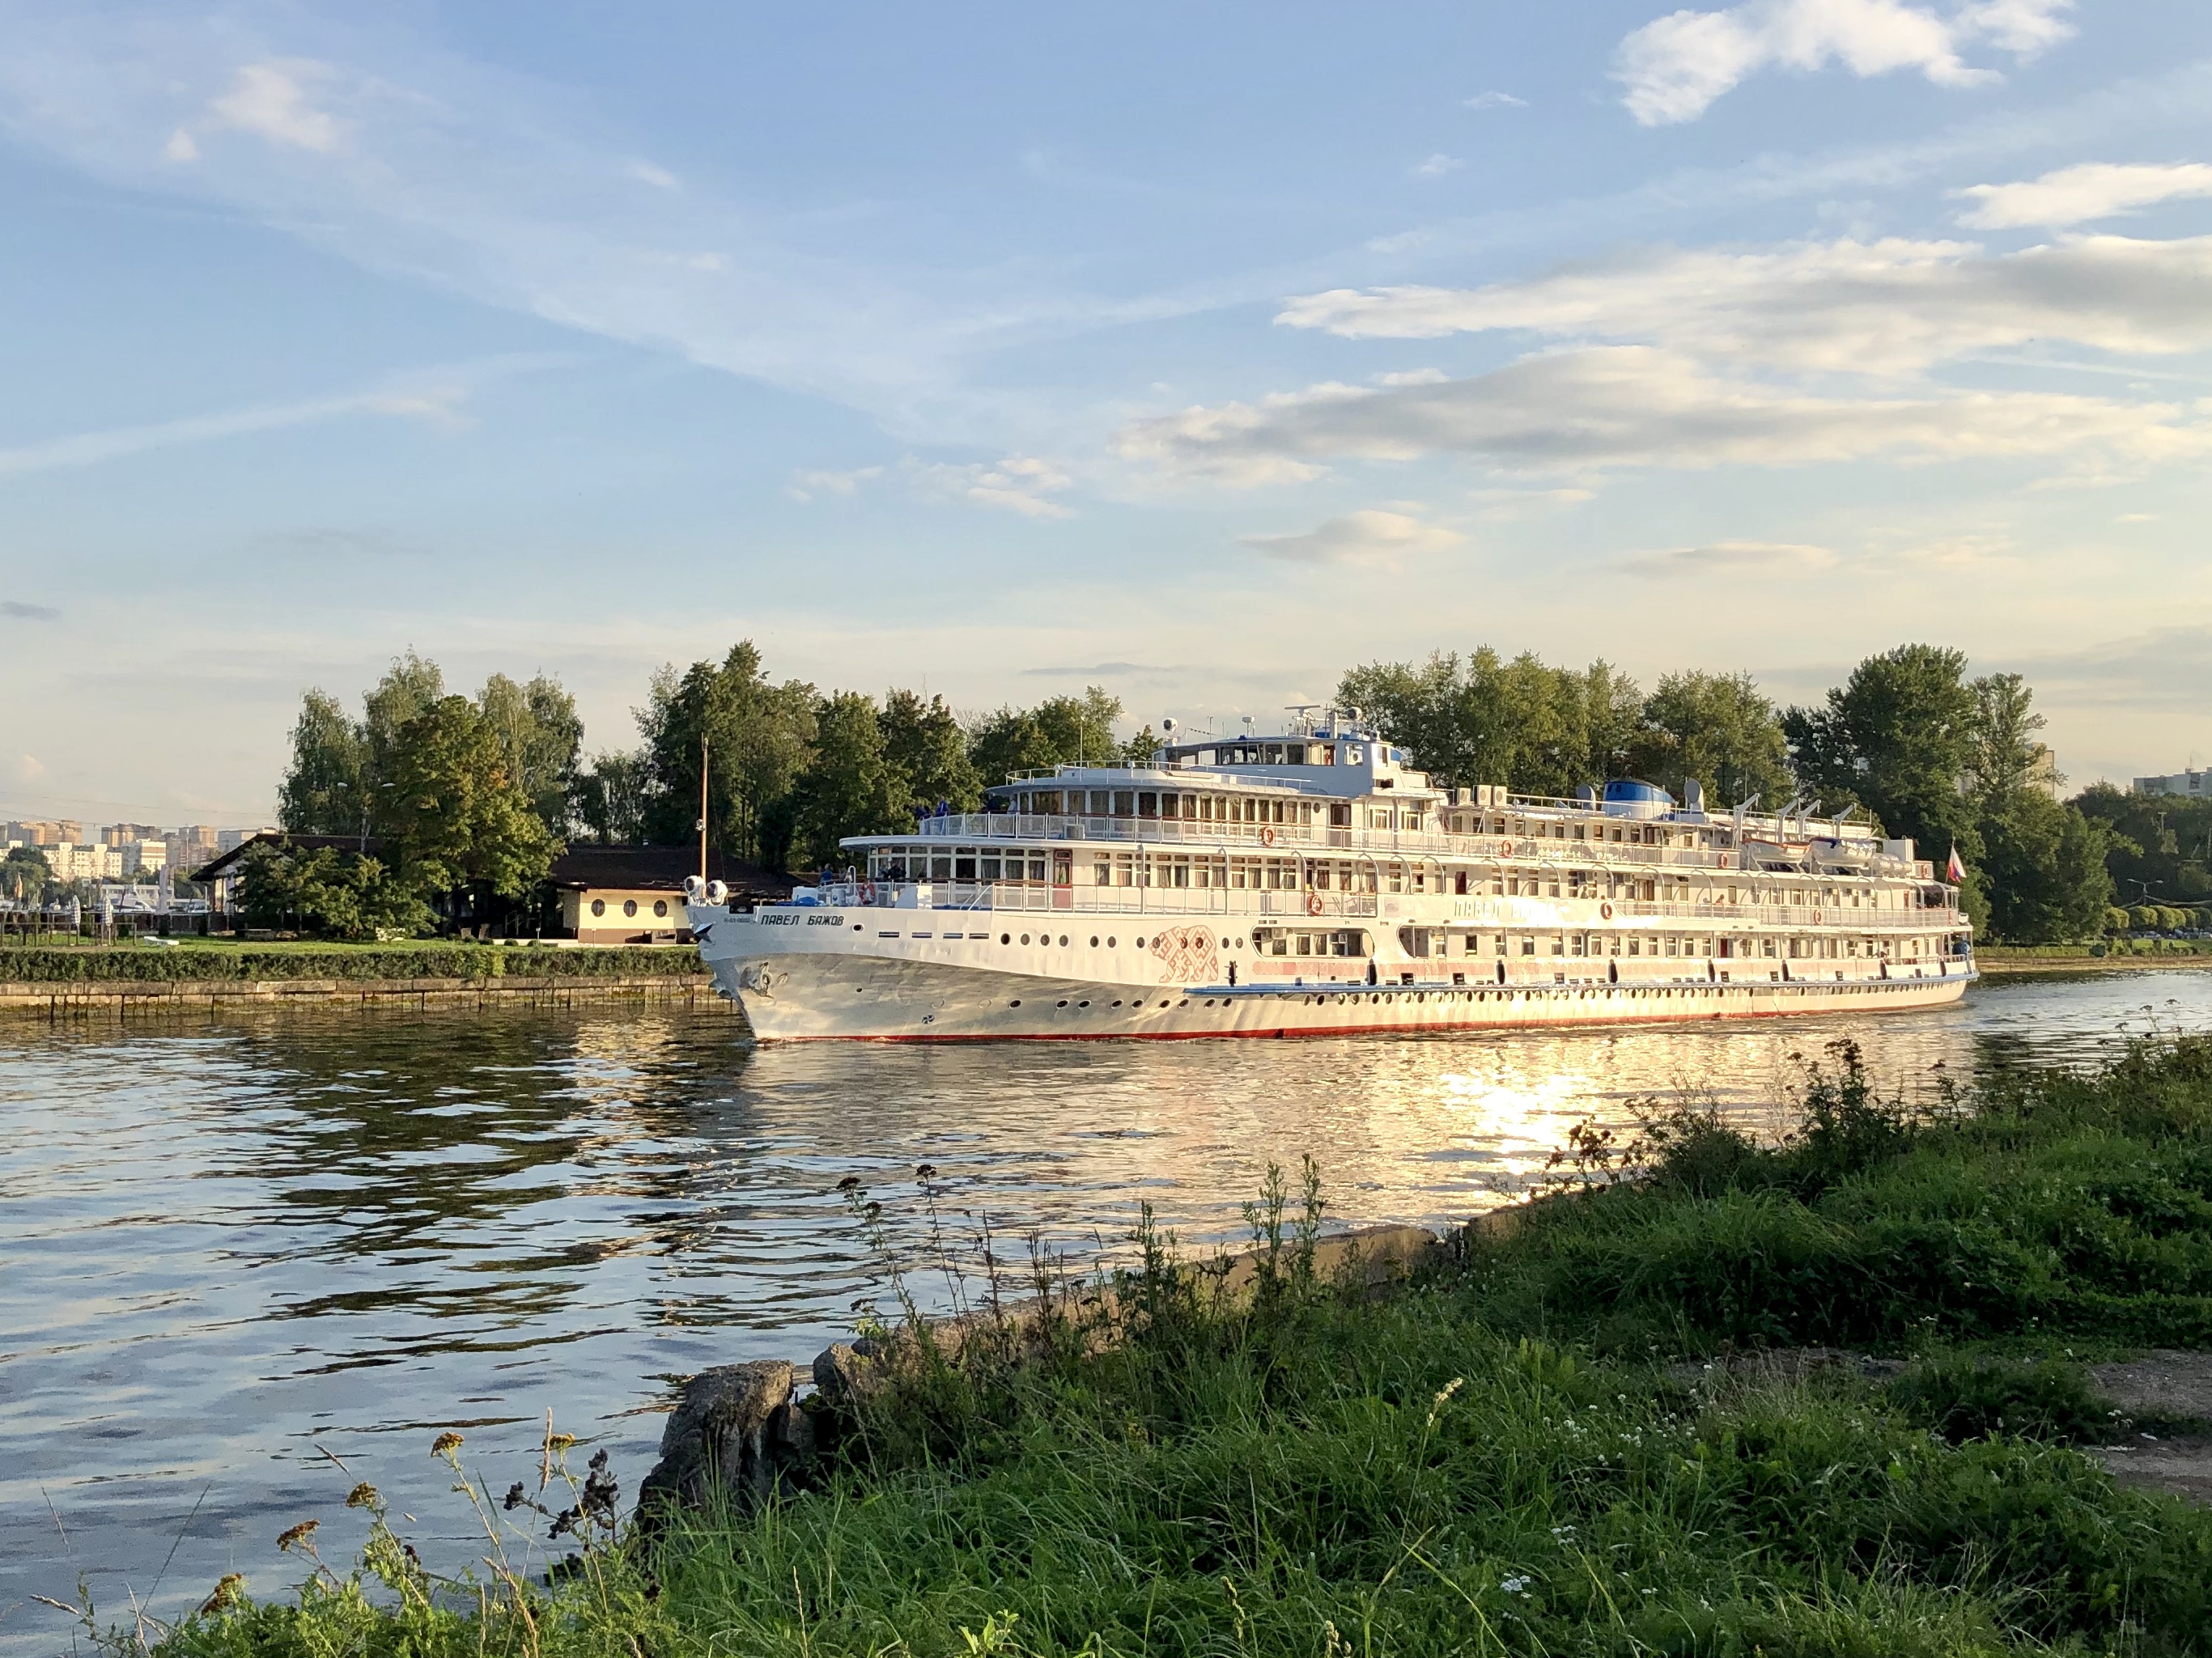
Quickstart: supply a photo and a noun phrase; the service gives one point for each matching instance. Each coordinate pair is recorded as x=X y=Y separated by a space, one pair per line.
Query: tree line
x=470 y=797
x=1954 y=763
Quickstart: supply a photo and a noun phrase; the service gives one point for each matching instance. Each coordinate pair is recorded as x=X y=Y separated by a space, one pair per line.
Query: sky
x=1199 y=352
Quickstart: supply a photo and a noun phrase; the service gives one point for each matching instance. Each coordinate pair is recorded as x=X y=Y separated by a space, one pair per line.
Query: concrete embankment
x=71 y=982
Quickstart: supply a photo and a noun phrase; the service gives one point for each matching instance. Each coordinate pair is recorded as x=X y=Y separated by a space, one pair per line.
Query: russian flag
x=1957 y=872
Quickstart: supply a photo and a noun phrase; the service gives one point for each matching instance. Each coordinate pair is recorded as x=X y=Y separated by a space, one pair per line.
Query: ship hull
x=822 y=998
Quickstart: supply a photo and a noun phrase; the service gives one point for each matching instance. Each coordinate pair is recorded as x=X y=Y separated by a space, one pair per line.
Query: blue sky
x=1197 y=351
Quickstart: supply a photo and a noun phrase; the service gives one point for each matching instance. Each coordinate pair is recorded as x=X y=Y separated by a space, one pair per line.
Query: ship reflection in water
x=225 y=1248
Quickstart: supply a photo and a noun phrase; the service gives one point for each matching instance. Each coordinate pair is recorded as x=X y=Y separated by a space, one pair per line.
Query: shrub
x=1972 y=1395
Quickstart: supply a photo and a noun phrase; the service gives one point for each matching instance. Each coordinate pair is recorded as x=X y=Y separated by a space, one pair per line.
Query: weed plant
x=1499 y=1458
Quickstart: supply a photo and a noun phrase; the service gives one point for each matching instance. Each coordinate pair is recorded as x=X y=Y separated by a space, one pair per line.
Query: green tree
x=759 y=736
x=1059 y=732
x=1897 y=738
x=322 y=793
x=328 y=893
x=927 y=752
x=25 y=875
x=2042 y=870
x=457 y=818
x=850 y=788
x=407 y=690
x=2162 y=842
x=1718 y=729
x=538 y=727
x=610 y=799
x=1537 y=730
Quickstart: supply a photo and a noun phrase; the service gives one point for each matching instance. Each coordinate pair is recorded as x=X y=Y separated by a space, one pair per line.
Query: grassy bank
x=201 y=960
x=1552 y=1444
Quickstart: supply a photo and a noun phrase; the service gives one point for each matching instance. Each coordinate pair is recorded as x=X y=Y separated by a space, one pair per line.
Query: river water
x=237 y=1253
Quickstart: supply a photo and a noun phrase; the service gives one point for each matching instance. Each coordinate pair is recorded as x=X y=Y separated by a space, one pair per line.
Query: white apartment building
x=2191 y=785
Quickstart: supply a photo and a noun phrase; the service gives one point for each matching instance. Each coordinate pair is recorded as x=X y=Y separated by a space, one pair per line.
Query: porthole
x=1062 y=1003
x=1209 y=1001
x=1004 y=937
x=856 y=926
x=1118 y=1003
x=1185 y=1002
x=1109 y=944
x=1025 y=937
x=1082 y=1004
x=1240 y=944
x=1094 y=941
x=1016 y=1002
x=1224 y=943
x=1140 y=944
x=660 y=907
x=629 y=906
x=598 y=906
x=1063 y=941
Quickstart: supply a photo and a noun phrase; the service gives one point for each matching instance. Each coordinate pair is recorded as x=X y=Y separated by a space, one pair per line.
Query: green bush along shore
x=208 y=963
x=1595 y=1429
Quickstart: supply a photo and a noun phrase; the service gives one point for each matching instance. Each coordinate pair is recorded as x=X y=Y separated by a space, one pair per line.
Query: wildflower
x=229 y=1590
x=299 y=1536
x=850 y=1183
x=1515 y=1585
x=364 y=1495
x=1443 y=1398
x=515 y=1498
x=925 y=1171
x=446 y=1445
x=558 y=1442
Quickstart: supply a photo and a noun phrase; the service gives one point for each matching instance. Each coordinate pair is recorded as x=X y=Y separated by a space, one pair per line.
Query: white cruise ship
x=1311 y=884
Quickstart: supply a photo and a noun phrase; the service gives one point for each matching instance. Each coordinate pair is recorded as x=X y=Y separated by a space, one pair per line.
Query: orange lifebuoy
x=1313 y=904
x=1505 y=848
x=1605 y=912
x=1266 y=837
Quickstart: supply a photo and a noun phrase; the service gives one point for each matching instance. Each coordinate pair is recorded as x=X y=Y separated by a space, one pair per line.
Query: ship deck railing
x=1479 y=911
x=1314 y=838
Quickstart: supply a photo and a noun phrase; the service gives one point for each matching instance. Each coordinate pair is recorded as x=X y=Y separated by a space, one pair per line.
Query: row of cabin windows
x=1354 y=942
x=1149 y=803
x=1539 y=828
x=1690 y=945
x=924 y=863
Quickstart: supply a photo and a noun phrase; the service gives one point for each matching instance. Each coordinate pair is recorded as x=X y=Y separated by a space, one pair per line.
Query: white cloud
x=28 y=769
x=1494 y=100
x=1369 y=536
x=1019 y=484
x=16 y=610
x=805 y=486
x=659 y=177
x=2075 y=194
x=1437 y=166
x=1890 y=307
x=1639 y=406
x=1733 y=558
x=1675 y=67
x=437 y=399
x=271 y=100
x=181 y=148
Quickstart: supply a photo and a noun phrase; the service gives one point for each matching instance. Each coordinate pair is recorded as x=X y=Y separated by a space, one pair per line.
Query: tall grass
x=1498 y=1459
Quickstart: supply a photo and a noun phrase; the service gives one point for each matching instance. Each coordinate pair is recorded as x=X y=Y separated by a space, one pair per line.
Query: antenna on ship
x=703 y=811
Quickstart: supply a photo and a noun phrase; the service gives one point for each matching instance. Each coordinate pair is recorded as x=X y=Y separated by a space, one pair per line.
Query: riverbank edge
x=2030 y=966
x=87 y=997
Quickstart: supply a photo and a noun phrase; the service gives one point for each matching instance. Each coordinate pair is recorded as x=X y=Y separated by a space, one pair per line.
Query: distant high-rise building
x=225 y=839
x=143 y=859
x=191 y=846
x=122 y=834
x=2191 y=785
x=44 y=832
